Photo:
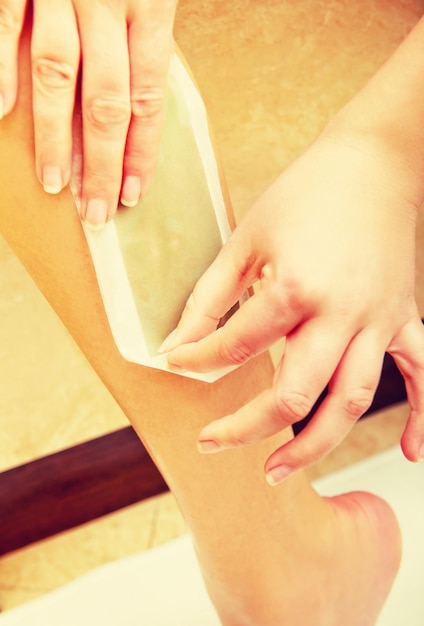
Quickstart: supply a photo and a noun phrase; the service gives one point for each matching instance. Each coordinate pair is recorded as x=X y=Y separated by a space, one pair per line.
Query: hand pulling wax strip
x=148 y=259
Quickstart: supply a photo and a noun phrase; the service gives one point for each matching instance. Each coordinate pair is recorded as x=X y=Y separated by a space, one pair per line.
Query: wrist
x=387 y=116
x=384 y=142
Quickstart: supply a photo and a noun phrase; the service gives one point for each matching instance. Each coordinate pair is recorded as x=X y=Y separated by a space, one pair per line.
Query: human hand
x=122 y=49
x=332 y=244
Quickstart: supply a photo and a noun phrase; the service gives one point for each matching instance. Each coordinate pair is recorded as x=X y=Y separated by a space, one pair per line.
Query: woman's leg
x=269 y=555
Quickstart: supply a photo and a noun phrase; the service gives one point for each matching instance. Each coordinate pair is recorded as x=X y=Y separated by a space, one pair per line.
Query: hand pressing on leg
x=332 y=244
x=120 y=51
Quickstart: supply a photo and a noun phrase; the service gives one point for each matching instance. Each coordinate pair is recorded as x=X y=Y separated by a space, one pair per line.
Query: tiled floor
x=271 y=74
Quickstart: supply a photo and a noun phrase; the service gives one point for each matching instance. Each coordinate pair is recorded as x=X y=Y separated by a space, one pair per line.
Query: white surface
x=163 y=587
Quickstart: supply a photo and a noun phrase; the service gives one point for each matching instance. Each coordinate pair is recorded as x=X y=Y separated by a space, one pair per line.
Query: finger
x=221 y=286
x=309 y=361
x=407 y=350
x=260 y=322
x=11 y=21
x=55 y=55
x=352 y=389
x=150 y=44
x=106 y=108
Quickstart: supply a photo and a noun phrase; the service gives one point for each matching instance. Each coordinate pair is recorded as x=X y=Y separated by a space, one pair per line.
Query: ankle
x=341 y=574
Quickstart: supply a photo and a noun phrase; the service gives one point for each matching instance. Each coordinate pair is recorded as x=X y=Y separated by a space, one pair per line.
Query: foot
x=341 y=575
x=366 y=560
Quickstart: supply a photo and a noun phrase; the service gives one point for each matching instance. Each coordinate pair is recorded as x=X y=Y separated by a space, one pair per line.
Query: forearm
x=389 y=110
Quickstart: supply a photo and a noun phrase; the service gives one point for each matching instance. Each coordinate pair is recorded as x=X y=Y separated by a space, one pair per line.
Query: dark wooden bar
x=71 y=487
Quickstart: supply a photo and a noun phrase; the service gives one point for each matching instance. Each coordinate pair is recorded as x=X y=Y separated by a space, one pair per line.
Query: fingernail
x=96 y=213
x=131 y=191
x=421 y=455
x=167 y=343
x=52 y=179
x=208 y=447
x=276 y=475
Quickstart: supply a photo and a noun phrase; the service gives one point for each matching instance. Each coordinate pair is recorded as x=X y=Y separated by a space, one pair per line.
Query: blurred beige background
x=271 y=73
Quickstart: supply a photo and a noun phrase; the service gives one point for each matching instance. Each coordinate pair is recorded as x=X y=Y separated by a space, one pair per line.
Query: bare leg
x=261 y=549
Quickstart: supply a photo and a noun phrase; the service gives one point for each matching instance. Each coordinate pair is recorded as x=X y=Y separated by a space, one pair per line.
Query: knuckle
x=289 y=295
x=10 y=23
x=193 y=308
x=279 y=297
x=99 y=181
x=244 y=265
x=235 y=353
x=147 y=105
x=292 y=406
x=313 y=452
x=104 y=111
x=51 y=74
x=357 y=402
x=293 y=300
x=235 y=439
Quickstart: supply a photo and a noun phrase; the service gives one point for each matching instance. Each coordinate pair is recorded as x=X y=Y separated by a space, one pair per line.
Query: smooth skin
x=259 y=548
x=332 y=243
x=334 y=257
x=120 y=51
